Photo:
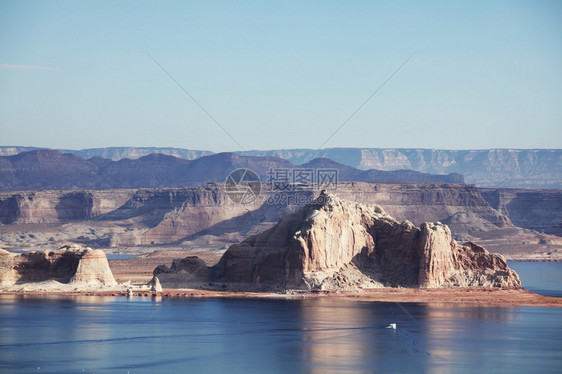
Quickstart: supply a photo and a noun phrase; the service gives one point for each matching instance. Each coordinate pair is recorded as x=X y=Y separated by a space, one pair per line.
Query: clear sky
x=281 y=74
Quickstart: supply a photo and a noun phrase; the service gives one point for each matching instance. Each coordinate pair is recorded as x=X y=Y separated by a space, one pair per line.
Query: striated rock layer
x=59 y=206
x=333 y=244
x=70 y=265
x=167 y=215
x=539 y=210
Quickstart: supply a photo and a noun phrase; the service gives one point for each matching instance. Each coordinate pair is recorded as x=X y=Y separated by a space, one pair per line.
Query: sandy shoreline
x=135 y=272
x=465 y=296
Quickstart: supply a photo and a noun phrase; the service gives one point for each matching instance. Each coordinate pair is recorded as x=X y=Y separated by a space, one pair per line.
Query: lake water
x=149 y=335
x=118 y=256
x=544 y=278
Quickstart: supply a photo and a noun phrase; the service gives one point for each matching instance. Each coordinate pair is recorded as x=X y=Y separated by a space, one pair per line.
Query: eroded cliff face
x=71 y=265
x=179 y=214
x=59 y=206
x=532 y=209
x=444 y=262
x=462 y=207
x=205 y=210
x=333 y=243
x=166 y=215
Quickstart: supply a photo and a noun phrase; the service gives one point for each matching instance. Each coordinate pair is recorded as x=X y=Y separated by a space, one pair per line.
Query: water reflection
x=335 y=337
x=73 y=327
x=460 y=311
x=351 y=336
x=473 y=328
x=68 y=334
x=73 y=300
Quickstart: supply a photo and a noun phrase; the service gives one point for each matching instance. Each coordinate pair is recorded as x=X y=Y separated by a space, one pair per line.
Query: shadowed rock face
x=532 y=209
x=175 y=214
x=59 y=206
x=190 y=265
x=332 y=243
x=444 y=262
x=66 y=265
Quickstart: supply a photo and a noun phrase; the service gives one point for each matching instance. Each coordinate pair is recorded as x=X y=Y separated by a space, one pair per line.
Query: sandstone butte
x=333 y=244
x=75 y=266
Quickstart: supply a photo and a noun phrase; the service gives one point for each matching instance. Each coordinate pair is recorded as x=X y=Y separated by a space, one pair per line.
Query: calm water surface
x=544 y=278
x=146 y=335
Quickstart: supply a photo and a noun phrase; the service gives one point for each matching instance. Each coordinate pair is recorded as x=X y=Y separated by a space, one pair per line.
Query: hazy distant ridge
x=521 y=168
x=115 y=153
x=516 y=168
x=51 y=169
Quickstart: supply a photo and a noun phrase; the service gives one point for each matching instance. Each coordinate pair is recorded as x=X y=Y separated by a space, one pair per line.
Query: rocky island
x=333 y=244
x=64 y=269
x=328 y=248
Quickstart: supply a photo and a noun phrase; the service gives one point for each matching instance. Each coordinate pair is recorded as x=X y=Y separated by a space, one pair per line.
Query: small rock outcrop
x=155 y=285
x=68 y=264
x=190 y=265
x=336 y=244
x=190 y=269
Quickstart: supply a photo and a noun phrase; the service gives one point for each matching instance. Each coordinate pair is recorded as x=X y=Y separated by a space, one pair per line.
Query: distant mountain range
x=115 y=153
x=514 y=168
x=51 y=169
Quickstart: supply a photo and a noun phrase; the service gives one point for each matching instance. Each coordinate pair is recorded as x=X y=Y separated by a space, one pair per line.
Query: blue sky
x=283 y=74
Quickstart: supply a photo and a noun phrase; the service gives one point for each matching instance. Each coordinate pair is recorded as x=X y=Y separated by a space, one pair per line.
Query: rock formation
x=205 y=217
x=155 y=285
x=71 y=265
x=59 y=206
x=164 y=215
x=177 y=214
x=332 y=243
x=190 y=269
x=539 y=210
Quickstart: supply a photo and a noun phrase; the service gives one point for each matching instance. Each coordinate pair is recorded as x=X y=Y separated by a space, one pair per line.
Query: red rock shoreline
x=466 y=296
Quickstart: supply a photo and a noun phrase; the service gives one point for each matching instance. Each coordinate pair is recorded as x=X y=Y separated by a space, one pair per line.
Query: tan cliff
x=208 y=210
x=206 y=218
x=336 y=244
x=539 y=210
x=68 y=265
x=59 y=206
